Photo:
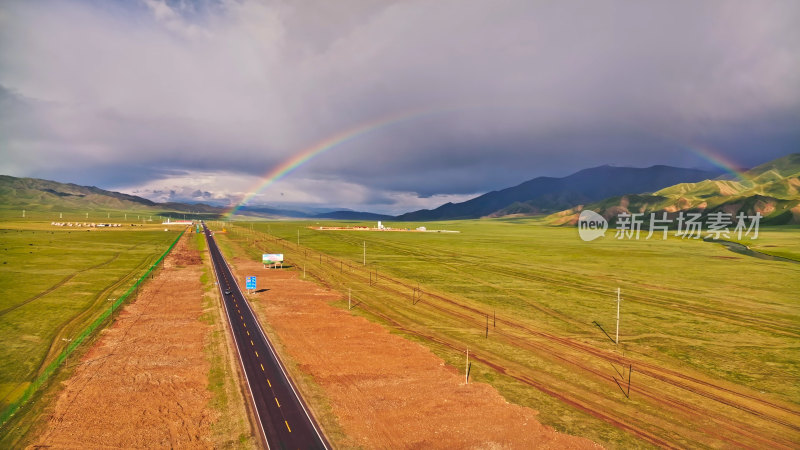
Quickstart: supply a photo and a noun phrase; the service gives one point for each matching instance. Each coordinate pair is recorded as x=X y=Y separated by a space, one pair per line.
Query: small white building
x=177 y=222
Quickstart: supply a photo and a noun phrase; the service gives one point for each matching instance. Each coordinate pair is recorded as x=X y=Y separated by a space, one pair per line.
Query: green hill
x=39 y=195
x=771 y=189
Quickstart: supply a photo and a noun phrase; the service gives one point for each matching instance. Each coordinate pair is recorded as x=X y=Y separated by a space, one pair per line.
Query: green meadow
x=778 y=241
x=57 y=280
x=724 y=321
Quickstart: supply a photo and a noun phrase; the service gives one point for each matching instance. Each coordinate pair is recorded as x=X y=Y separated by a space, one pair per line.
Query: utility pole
x=23 y=213
x=298 y=237
x=618 y=301
x=349 y=299
x=365 y=253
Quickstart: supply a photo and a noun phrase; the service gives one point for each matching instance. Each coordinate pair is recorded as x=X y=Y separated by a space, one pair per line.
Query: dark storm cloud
x=130 y=93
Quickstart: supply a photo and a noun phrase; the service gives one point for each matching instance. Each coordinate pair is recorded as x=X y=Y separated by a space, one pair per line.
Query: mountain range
x=547 y=194
x=770 y=189
x=35 y=193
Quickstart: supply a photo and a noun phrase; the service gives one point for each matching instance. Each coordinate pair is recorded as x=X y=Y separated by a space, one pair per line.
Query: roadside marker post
x=466 y=369
x=618 y=301
x=66 y=359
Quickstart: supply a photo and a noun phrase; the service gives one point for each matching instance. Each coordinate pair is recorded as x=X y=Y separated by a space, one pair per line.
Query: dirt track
x=144 y=383
x=386 y=391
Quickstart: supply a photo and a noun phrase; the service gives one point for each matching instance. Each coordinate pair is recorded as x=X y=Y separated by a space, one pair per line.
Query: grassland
x=712 y=336
x=55 y=281
x=778 y=241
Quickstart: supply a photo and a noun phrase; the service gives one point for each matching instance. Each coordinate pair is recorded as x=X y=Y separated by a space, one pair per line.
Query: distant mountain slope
x=771 y=189
x=547 y=194
x=34 y=193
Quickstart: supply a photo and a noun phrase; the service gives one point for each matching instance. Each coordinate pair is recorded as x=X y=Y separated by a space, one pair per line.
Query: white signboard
x=272 y=258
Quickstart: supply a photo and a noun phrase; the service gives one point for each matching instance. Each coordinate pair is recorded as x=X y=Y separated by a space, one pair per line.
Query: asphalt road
x=284 y=419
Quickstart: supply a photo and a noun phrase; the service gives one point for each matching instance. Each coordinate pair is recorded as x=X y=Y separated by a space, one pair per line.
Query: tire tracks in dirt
x=58 y=285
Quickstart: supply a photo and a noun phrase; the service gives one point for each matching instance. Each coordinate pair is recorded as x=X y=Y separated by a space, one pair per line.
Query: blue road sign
x=251 y=282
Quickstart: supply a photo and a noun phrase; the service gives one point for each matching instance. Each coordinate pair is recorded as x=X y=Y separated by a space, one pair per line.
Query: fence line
x=13 y=407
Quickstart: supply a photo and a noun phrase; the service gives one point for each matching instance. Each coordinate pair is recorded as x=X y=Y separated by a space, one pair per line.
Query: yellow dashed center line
x=236 y=303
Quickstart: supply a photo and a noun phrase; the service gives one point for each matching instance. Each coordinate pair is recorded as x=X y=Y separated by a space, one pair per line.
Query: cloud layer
x=186 y=96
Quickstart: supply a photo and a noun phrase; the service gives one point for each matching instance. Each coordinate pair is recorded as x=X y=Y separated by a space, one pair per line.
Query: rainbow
x=718 y=160
x=305 y=155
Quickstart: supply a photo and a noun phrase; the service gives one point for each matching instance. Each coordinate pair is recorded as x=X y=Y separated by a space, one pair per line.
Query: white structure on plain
x=380 y=225
x=176 y=222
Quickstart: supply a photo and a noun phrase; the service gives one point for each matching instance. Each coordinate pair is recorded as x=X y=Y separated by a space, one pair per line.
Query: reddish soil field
x=144 y=382
x=387 y=391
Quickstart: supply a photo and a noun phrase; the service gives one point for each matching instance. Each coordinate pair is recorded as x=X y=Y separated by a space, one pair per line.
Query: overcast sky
x=197 y=100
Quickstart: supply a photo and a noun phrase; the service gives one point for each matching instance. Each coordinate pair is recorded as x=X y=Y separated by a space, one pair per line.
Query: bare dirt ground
x=144 y=382
x=387 y=391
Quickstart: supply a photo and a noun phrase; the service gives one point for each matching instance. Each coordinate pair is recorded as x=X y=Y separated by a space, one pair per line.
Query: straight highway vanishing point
x=283 y=418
